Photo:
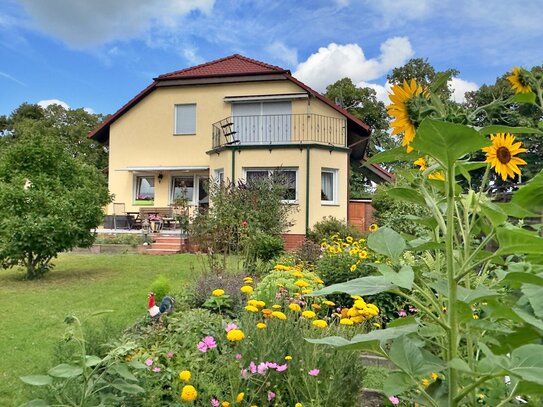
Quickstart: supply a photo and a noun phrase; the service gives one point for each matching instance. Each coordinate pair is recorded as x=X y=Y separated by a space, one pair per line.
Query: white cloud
x=283 y=53
x=399 y=12
x=89 y=110
x=11 y=78
x=339 y=61
x=48 y=102
x=381 y=92
x=460 y=87
x=82 y=24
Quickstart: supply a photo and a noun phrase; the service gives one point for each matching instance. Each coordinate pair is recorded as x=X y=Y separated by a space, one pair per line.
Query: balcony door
x=262 y=122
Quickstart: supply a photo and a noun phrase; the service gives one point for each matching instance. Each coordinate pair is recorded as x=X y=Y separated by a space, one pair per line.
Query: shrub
x=267 y=247
x=329 y=226
x=308 y=252
x=122 y=238
x=207 y=282
x=161 y=287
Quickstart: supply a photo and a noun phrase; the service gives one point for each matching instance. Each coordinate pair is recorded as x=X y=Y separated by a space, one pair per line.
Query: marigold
x=261 y=325
x=308 y=314
x=518 y=81
x=225 y=404
x=346 y=321
x=188 y=393
x=307 y=291
x=316 y=306
x=247 y=289
x=329 y=303
x=267 y=312
x=318 y=281
x=185 y=375
x=276 y=306
x=501 y=155
x=295 y=307
x=320 y=323
x=250 y=308
x=301 y=283
x=240 y=397
x=279 y=315
x=217 y=293
x=298 y=274
x=235 y=335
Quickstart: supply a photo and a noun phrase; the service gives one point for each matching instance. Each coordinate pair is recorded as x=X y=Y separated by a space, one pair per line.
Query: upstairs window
x=145 y=191
x=185 y=119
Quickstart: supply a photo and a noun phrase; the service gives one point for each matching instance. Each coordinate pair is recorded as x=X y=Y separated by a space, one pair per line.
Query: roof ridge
x=216 y=61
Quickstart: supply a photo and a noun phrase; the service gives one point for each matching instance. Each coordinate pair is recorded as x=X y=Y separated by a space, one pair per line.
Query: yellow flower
x=329 y=303
x=248 y=280
x=235 y=335
x=434 y=376
x=308 y=314
x=349 y=239
x=362 y=254
x=307 y=291
x=358 y=319
x=518 y=81
x=240 y=397
x=425 y=382
x=250 y=308
x=267 y=312
x=279 y=315
x=188 y=393
x=276 y=306
x=320 y=323
x=501 y=155
x=375 y=324
x=217 y=293
x=401 y=96
x=421 y=162
x=261 y=325
x=298 y=274
x=185 y=375
x=225 y=404
x=288 y=357
x=298 y=405
x=373 y=228
x=475 y=316
x=301 y=283
x=356 y=297
x=346 y=321
x=437 y=176
x=316 y=306
x=247 y=289
x=318 y=281
x=295 y=307
x=353 y=267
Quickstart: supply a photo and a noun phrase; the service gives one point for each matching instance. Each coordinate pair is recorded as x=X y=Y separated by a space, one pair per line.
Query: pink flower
x=215 y=403
x=252 y=367
x=412 y=309
x=149 y=362
x=207 y=343
x=261 y=368
x=402 y=313
x=169 y=355
x=282 y=368
x=271 y=365
x=314 y=372
x=271 y=395
x=230 y=327
x=238 y=356
x=156 y=370
x=244 y=373
x=394 y=400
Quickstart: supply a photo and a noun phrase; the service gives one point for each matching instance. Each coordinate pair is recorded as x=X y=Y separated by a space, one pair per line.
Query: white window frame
x=334 y=172
x=219 y=176
x=270 y=173
x=188 y=133
x=195 y=188
x=135 y=189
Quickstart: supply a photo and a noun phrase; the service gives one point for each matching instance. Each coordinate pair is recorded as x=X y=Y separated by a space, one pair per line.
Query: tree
x=49 y=201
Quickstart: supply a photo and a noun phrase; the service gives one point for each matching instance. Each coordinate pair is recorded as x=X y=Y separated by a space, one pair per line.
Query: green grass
x=33 y=311
x=374 y=377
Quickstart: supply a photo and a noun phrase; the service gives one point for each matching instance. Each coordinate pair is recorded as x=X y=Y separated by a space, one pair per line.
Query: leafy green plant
x=87 y=379
x=122 y=238
x=267 y=247
x=330 y=226
x=474 y=277
x=161 y=287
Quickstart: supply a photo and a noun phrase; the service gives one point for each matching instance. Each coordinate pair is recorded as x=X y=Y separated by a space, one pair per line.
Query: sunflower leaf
x=528 y=97
x=447 y=142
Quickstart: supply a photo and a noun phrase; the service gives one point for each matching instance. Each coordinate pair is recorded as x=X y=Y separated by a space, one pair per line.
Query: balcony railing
x=280 y=129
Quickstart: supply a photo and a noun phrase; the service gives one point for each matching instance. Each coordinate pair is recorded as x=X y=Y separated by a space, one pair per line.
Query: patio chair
x=120 y=217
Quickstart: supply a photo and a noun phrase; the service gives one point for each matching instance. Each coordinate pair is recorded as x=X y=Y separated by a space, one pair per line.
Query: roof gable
x=233 y=65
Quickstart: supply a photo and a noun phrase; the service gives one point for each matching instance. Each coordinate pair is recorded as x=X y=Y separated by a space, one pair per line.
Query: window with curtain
x=182 y=187
x=328 y=185
x=145 y=190
x=286 y=176
x=185 y=119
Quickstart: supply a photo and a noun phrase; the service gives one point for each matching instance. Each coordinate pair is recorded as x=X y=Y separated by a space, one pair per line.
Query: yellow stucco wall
x=144 y=137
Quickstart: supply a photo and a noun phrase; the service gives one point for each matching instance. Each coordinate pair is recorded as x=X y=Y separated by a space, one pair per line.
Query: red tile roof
x=233 y=65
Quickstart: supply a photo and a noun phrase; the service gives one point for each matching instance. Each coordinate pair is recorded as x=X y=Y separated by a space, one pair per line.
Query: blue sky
x=98 y=54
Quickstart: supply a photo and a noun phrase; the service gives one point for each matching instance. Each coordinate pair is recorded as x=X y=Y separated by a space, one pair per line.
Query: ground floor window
x=288 y=176
x=328 y=186
x=193 y=188
x=145 y=191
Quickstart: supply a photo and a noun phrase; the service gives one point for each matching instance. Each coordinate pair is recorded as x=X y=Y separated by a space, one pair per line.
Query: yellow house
x=232 y=118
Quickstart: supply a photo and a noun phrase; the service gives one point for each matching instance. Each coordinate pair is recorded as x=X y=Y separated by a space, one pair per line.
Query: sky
x=98 y=54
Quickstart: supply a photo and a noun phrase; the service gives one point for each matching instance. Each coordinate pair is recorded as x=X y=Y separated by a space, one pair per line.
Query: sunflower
x=399 y=109
x=518 y=81
x=501 y=155
x=435 y=175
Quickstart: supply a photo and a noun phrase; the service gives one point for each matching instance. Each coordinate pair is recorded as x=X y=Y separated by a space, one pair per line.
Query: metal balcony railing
x=280 y=129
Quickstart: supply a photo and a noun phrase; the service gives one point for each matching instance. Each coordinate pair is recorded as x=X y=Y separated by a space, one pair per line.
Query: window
x=262 y=122
x=286 y=176
x=219 y=176
x=182 y=187
x=185 y=119
x=328 y=186
x=145 y=191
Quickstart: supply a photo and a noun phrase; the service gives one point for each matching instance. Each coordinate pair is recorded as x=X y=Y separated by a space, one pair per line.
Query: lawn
x=32 y=320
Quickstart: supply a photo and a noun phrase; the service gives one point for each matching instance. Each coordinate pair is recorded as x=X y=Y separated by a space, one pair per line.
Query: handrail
x=280 y=129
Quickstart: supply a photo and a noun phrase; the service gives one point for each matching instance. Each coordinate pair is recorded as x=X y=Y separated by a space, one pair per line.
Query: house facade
x=229 y=119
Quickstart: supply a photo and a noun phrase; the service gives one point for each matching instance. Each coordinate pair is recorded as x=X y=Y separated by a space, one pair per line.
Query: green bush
x=161 y=287
x=122 y=238
x=267 y=246
x=308 y=252
x=330 y=226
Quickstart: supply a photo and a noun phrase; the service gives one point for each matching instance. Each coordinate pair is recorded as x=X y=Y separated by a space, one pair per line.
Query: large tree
x=49 y=200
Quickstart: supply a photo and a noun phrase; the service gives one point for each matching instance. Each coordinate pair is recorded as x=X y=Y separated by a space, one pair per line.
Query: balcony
x=280 y=129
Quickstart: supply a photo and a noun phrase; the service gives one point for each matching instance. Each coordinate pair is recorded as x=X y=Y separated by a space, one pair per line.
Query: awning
x=260 y=98
x=165 y=168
